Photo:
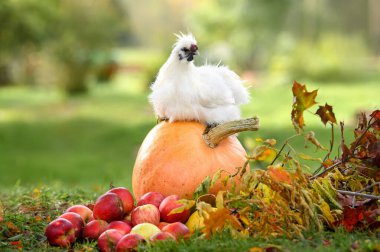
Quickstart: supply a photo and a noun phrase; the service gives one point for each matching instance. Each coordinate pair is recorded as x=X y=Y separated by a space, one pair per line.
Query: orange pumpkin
x=174 y=159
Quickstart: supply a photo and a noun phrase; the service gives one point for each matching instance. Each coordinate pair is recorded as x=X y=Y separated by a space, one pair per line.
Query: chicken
x=210 y=94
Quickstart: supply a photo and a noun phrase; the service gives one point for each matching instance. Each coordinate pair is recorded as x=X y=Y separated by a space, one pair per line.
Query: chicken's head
x=185 y=47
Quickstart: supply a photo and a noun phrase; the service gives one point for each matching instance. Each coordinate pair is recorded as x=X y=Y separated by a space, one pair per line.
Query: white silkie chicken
x=184 y=92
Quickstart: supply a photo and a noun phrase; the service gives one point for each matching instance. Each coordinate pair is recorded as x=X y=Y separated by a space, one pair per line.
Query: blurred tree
x=84 y=28
x=243 y=26
x=24 y=25
x=70 y=32
x=250 y=34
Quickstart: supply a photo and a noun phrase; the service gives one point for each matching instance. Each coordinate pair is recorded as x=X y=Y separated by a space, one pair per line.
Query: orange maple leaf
x=302 y=100
x=279 y=174
x=219 y=219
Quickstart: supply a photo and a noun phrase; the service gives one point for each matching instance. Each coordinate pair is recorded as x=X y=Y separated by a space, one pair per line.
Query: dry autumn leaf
x=326 y=114
x=217 y=220
x=310 y=136
x=302 y=100
x=279 y=174
x=186 y=205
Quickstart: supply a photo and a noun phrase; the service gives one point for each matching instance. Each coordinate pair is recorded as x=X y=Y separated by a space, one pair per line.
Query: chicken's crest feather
x=184 y=40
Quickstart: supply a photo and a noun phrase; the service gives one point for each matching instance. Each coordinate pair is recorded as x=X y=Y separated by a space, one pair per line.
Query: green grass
x=72 y=149
x=91 y=141
x=28 y=210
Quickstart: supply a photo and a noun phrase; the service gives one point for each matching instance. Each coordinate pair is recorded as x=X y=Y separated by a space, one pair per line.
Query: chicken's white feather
x=182 y=91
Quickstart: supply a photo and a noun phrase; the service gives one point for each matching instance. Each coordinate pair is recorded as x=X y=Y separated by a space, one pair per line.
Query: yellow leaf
x=325 y=209
x=218 y=220
x=219 y=199
x=186 y=204
x=36 y=193
x=256 y=249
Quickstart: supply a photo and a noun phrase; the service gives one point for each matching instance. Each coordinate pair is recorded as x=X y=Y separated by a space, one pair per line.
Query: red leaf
x=351 y=216
x=16 y=244
x=376 y=124
x=326 y=114
x=364 y=216
x=376 y=114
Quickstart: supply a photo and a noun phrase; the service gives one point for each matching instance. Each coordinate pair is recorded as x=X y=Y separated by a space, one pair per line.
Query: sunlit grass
x=91 y=141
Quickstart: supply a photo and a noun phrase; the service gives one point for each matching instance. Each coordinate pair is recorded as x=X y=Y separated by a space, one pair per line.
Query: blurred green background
x=75 y=75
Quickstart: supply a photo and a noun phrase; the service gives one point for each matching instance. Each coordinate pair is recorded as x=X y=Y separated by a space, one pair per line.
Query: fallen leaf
x=12 y=229
x=279 y=174
x=38 y=218
x=256 y=249
x=326 y=242
x=376 y=124
x=326 y=114
x=17 y=244
x=302 y=100
x=217 y=220
x=36 y=193
x=352 y=217
x=310 y=136
x=376 y=114
x=185 y=205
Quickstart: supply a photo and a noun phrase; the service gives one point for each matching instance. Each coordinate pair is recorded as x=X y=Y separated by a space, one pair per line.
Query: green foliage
x=240 y=27
x=331 y=57
x=24 y=23
x=318 y=40
x=67 y=34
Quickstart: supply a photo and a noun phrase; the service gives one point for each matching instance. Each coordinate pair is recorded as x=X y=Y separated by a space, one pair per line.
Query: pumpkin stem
x=215 y=135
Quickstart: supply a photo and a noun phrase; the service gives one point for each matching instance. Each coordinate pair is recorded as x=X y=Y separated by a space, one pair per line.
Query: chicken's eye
x=185 y=49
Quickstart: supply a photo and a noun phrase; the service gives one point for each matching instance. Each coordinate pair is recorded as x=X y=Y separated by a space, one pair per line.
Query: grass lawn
x=28 y=210
x=91 y=141
x=72 y=149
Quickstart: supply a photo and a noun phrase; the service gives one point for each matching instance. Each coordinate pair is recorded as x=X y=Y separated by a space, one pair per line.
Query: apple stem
x=215 y=135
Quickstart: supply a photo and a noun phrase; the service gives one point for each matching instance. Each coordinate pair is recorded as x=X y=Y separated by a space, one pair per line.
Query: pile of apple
x=118 y=224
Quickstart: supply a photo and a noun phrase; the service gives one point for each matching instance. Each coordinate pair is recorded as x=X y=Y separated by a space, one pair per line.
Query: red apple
x=154 y=198
x=170 y=203
x=94 y=229
x=126 y=197
x=83 y=211
x=108 y=240
x=129 y=222
x=91 y=218
x=177 y=229
x=109 y=207
x=162 y=236
x=60 y=232
x=145 y=214
x=76 y=220
x=121 y=226
x=129 y=242
x=162 y=224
